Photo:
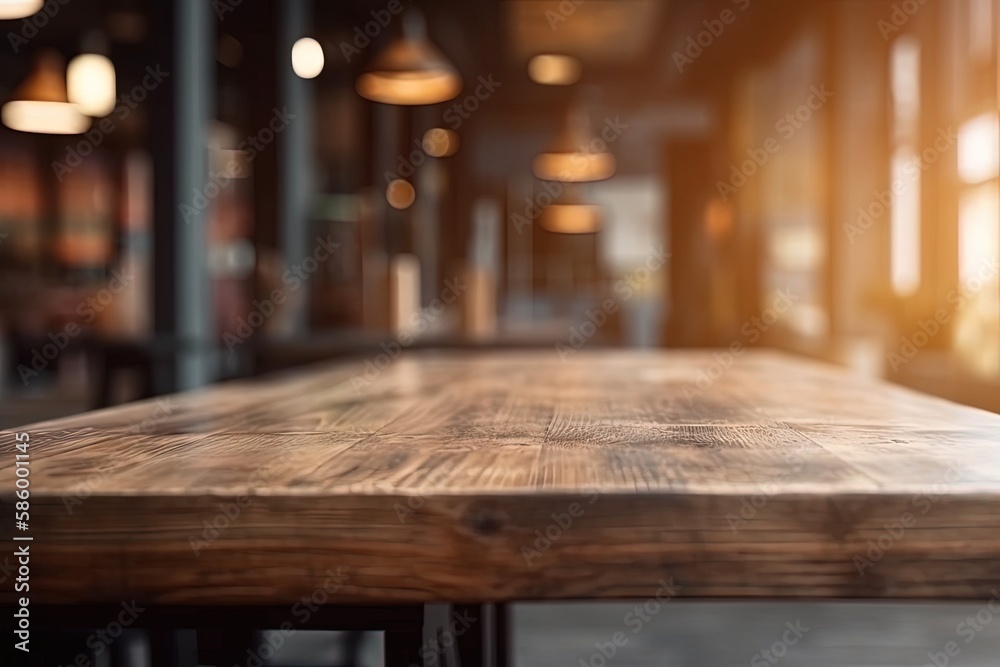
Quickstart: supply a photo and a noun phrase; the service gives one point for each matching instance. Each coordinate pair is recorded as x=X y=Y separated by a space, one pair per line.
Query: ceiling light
x=40 y=103
x=410 y=70
x=576 y=155
x=571 y=218
x=307 y=58
x=439 y=142
x=400 y=194
x=90 y=84
x=19 y=9
x=554 y=70
x=571 y=213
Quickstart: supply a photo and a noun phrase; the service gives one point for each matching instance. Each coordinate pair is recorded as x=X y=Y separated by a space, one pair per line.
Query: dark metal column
x=182 y=309
x=295 y=190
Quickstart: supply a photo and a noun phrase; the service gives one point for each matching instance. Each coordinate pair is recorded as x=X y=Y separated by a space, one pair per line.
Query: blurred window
x=977 y=327
x=905 y=171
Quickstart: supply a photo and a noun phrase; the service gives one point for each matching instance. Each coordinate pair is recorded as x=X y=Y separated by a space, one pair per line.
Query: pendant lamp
x=572 y=213
x=90 y=78
x=410 y=70
x=40 y=104
x=576 y=155
x=19 y=9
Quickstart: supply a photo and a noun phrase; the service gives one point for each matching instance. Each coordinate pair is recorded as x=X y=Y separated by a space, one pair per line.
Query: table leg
x=402 y=648
x=469 y=642
x=501 y=634
x=484 y=643
x=226 y=646
x=173 y=648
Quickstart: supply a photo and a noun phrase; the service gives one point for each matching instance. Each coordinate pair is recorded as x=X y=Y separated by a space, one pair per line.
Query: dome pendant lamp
x=572 y=213
x=576 y=155
x=40 y=104
x=410 y=70
x=19 y=9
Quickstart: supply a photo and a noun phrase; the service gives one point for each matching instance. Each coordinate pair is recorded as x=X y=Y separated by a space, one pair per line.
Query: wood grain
x=439 y=479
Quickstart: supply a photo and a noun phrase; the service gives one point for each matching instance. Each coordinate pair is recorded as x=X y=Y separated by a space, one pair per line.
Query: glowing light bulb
x=307 y=58
x=90 y=84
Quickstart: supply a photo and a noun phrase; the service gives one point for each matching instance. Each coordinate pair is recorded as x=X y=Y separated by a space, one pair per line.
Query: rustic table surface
x=517 y=476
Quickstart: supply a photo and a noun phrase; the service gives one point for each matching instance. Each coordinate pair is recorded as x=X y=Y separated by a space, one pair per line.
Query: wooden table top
x=515 y=475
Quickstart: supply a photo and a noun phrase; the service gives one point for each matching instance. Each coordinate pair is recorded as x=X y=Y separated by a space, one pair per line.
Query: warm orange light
x=19 y=9
x=410 y=70
x=979 y=148
x=554 y=70
x=574 y=167
x=427 y=86
x=978 y=229
x=718 y=219
x=571 y=218
x=40 y=104
x=576 y=155
x=439 y=142
x=400 y=194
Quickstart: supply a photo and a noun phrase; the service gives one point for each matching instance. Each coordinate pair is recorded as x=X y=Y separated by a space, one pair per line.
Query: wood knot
x=487 y=521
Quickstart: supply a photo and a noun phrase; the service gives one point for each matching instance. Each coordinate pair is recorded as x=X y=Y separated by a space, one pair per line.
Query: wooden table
x=481 y=478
